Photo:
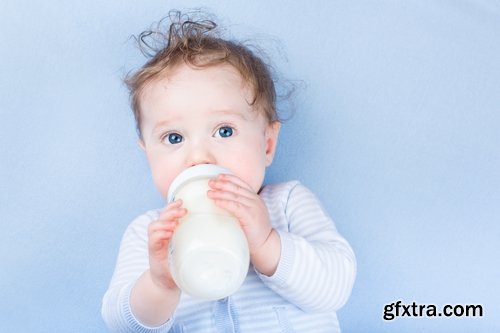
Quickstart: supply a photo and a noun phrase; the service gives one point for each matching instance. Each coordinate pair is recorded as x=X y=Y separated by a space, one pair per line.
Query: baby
x=202 y=99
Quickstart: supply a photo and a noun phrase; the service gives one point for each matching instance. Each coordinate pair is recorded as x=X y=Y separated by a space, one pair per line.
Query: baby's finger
x=158 y=229
x=229 y=196
x=236 y=180
x=228 y=185
x=171 y=205
x=240 y=211
x=174 y=213
x=160 y=236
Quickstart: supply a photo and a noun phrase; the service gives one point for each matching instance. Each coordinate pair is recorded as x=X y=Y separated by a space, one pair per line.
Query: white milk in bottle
x=208 y=252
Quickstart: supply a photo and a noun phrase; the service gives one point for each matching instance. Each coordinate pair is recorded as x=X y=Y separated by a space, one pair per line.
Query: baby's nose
x=200 y=155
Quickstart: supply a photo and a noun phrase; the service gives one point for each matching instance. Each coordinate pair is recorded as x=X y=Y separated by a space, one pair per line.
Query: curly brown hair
x=197 y=42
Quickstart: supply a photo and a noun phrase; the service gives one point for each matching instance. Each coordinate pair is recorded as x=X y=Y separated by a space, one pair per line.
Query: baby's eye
x=225 y=131
x=173 y=138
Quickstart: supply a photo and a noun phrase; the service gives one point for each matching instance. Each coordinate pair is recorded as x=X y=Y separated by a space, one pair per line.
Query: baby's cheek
x=162 y=183
x=255 y=178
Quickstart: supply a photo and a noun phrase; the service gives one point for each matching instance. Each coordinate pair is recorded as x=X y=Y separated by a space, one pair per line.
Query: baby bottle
x=208 y=252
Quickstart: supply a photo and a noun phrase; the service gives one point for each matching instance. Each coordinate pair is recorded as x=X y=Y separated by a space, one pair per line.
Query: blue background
x=396 y=129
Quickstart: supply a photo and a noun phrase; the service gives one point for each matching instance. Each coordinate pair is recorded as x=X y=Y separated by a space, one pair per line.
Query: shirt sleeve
x=132 y=261
x=317 y=267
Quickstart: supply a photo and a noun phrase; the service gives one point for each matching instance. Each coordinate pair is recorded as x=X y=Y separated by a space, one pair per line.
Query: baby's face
x=198 y=116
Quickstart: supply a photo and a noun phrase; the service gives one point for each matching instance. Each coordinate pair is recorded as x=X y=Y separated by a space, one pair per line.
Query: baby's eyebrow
x=161 y=124
x=230 y=112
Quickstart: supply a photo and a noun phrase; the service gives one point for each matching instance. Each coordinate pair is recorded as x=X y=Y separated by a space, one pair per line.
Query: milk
x=208 y=252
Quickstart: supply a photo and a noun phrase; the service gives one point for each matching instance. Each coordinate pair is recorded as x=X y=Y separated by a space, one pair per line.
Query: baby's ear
x=272 y=133
x=140 y=143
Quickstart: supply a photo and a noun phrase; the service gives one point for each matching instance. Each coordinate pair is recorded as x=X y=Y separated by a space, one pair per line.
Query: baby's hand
x=237 y=197
x=159 y=233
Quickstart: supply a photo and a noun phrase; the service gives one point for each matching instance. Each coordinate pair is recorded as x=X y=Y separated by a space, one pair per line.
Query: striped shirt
x=313 y=279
